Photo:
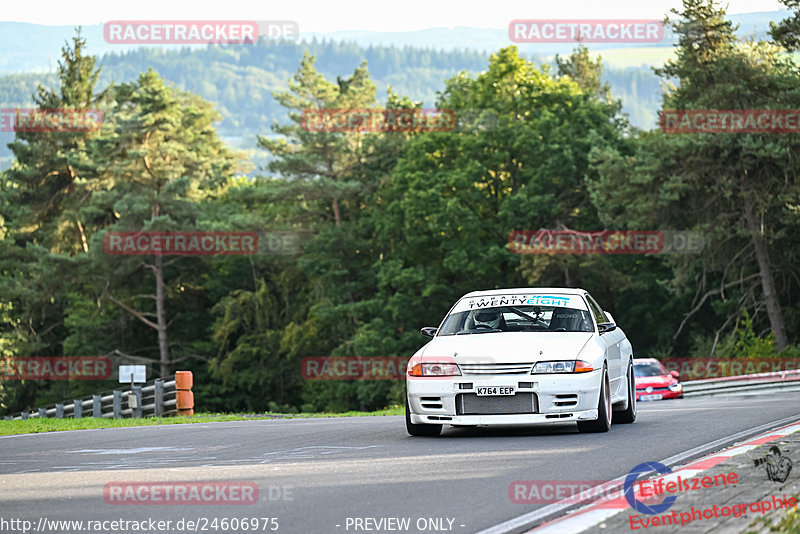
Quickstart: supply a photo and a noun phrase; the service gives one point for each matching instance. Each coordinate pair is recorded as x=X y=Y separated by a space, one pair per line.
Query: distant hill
x=34 y=48
x=489 y=39
x=240 y=79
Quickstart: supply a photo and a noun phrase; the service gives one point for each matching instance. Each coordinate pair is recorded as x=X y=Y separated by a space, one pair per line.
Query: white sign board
x=139 y=373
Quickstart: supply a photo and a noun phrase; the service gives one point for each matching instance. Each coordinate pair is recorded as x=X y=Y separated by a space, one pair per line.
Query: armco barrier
x=158 y=397
x=743 y=384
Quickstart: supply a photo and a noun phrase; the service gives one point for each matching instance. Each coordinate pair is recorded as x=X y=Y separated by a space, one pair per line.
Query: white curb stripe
x=741 y=449
x=579 y=522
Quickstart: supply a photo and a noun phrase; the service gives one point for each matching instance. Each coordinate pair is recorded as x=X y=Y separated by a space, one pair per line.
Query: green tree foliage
x=48 y=189
x=739 y=190
x=41 y=225
x=240 y=80
x=323 y=160
x=395 y=224
x=587 y=73
x=443 y=221
x=332 y=180
x=158 y=158
x=787 y=32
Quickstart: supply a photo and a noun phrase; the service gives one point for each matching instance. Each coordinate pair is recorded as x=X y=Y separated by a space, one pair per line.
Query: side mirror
x=610 y=318
x=606 y=327
x=675 y=374
x=428 y=331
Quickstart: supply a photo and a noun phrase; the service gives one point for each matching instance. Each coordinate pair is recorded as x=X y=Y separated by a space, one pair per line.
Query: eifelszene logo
x=630 y=480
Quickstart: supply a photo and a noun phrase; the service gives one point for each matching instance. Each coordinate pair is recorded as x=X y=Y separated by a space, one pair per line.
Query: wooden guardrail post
x=158 y=398
x=117 y=404
x=77 y=409
x=183 y=394
x=42 y=412
x=59 y=411
x=97 y=406
x=137 y=393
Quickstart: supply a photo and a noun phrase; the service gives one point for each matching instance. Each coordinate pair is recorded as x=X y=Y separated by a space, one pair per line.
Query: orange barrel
x=183 y=380
x=184 y=396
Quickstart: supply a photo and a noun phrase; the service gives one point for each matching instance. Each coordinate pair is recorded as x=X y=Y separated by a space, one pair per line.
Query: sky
x=351 y=15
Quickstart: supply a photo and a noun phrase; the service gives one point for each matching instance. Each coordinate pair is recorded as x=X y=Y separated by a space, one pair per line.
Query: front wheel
x=628 y=415
x=603 y=421
x=420 y=430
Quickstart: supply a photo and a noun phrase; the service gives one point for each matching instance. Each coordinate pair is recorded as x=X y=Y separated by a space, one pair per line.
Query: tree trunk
x=84 y=243
x=336 y=216
x=767 y=281
x=161 y=316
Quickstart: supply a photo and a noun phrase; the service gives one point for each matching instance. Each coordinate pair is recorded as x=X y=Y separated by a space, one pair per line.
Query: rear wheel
x=420 y=430
x=603 y=421
x=628 y=415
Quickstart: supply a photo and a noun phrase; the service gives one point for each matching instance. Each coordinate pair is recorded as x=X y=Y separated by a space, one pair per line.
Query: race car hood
x=654 y=381
x=507 y=347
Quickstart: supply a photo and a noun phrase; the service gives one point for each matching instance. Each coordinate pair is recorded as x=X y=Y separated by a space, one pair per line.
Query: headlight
x=562 y=366
x=675 y=387
x=435 y=369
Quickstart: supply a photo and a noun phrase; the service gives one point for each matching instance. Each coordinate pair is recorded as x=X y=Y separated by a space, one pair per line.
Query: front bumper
x=665 y=394
x=556 y=398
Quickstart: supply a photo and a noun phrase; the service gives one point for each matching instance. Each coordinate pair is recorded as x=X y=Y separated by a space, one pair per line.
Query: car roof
x=563 y=290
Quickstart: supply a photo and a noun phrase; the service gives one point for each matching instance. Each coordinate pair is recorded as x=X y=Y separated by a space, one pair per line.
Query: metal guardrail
x=155 y=398
x=743 y=384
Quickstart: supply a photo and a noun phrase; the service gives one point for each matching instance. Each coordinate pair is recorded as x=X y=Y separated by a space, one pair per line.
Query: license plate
x=651 y=397
x=494 y=391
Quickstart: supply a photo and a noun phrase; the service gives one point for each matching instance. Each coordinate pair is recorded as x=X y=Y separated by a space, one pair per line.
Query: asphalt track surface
x=320 y=475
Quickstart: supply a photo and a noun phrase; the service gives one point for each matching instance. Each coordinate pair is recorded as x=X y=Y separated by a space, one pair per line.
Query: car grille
x=655 y=390
x=495 y=368
x=471 y=404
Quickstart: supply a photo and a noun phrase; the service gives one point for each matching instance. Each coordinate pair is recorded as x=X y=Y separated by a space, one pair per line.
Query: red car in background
x=654 y=382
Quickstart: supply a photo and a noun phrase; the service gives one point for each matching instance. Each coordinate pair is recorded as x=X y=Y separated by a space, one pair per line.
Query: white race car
x=522 y=356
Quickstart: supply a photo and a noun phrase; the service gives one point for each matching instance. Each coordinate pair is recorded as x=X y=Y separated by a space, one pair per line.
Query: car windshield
x=649 y=369
x=517 y=319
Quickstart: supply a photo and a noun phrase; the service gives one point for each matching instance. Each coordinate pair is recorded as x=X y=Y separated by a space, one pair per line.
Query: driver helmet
x=488 y=318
